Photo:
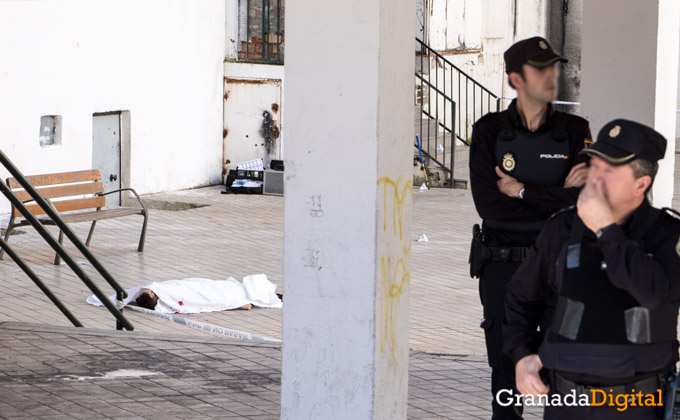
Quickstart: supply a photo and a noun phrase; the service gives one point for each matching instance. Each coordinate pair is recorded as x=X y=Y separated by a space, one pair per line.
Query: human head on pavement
x=147 y=299
x=531 y=65
x=624 y=162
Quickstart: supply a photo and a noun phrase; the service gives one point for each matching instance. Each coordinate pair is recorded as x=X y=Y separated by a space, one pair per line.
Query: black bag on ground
x=241 y=181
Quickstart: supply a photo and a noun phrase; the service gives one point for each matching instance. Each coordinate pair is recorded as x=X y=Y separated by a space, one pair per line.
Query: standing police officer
x=614 y=264
x=523 y=167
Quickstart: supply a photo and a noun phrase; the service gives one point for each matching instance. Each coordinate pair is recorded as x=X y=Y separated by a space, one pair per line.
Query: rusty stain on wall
x=246 y=81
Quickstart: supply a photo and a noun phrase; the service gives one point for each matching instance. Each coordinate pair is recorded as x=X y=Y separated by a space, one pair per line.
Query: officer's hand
x=526 y=373
x=592 y=206
x=577 y=176
x=508 y=185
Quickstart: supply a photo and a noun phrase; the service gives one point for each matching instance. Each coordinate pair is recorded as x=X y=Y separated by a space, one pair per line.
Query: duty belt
x=647 y=386
x=508 y=253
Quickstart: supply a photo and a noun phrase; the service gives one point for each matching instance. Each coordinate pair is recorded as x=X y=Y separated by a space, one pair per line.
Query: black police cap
x=535 y=51
x=621 y=141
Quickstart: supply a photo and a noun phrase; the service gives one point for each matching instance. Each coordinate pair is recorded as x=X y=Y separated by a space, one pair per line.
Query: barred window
x=261 y=34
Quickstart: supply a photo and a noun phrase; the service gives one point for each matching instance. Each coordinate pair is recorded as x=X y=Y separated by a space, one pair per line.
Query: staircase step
x=461 y=171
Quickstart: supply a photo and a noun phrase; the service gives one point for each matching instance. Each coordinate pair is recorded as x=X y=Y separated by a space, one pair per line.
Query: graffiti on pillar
x=395 y=274
x=311 y=258
x=315 y=209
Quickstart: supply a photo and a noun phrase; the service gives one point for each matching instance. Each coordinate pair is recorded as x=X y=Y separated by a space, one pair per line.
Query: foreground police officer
x=523 y=167
x=614 y=263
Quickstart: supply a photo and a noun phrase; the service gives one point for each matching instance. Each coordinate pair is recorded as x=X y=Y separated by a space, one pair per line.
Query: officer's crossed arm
x=549 y=199
x=577 y=176
x=513 y=188
x=508 y=185
x=490 y=202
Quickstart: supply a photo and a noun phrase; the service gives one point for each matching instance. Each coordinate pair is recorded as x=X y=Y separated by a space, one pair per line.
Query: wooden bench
x=80 y=197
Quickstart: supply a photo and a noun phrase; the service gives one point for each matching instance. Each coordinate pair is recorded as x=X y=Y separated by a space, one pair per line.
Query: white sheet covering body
x=194 y=295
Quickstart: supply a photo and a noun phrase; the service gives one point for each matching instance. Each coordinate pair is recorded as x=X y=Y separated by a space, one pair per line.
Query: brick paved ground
x=66 y=373
x=236 y=235
x=48 y=371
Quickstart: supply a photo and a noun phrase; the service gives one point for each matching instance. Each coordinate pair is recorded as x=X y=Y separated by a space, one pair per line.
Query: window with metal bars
x=261 y=33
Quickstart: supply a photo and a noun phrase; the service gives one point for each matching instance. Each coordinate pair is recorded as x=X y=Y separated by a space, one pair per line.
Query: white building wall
x=162 y=60
x=633 y=74
x=489 y=28
x=473 y=35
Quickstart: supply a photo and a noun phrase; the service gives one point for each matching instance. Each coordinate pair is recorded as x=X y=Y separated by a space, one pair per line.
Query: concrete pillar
x=630 y=70
x=565 y=21
x=349 y=127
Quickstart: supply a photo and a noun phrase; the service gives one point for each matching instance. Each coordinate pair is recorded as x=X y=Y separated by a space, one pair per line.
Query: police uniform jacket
x=639 y=272
x=539 y=201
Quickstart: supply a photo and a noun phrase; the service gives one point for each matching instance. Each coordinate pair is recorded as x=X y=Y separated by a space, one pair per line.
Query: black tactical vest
x=536 y=159
x=598 y=327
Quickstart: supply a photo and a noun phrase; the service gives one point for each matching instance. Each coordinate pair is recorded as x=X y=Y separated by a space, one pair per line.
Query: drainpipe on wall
x=564 y=33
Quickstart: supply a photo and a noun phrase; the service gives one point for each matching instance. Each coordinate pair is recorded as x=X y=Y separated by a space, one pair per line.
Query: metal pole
x=7 y=192
x=265 y=31
x=453 y=151
x=278 y=31
x=422 y=91
x=436 y=108
x=39 y=283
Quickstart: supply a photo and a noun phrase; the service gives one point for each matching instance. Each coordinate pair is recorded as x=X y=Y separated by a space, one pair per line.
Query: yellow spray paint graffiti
x=395 y=275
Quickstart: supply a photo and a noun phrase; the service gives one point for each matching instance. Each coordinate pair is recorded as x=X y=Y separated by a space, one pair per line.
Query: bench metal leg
x=89 y=235
x=10 y=226
x=142 y=238
x=57 y=258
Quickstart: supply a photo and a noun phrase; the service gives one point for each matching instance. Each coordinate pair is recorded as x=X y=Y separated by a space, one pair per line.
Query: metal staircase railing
x=121 y=321
x=450 y=101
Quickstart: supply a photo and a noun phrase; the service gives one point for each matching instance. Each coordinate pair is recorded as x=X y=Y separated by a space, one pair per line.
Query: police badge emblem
x=509 y=162
x=614 y=132
x=543 y=45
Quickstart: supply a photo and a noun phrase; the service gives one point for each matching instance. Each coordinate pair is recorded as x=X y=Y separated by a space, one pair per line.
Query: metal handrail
x=46 y=290
x=458 y=69
x=462 y=100
x=122 y=322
